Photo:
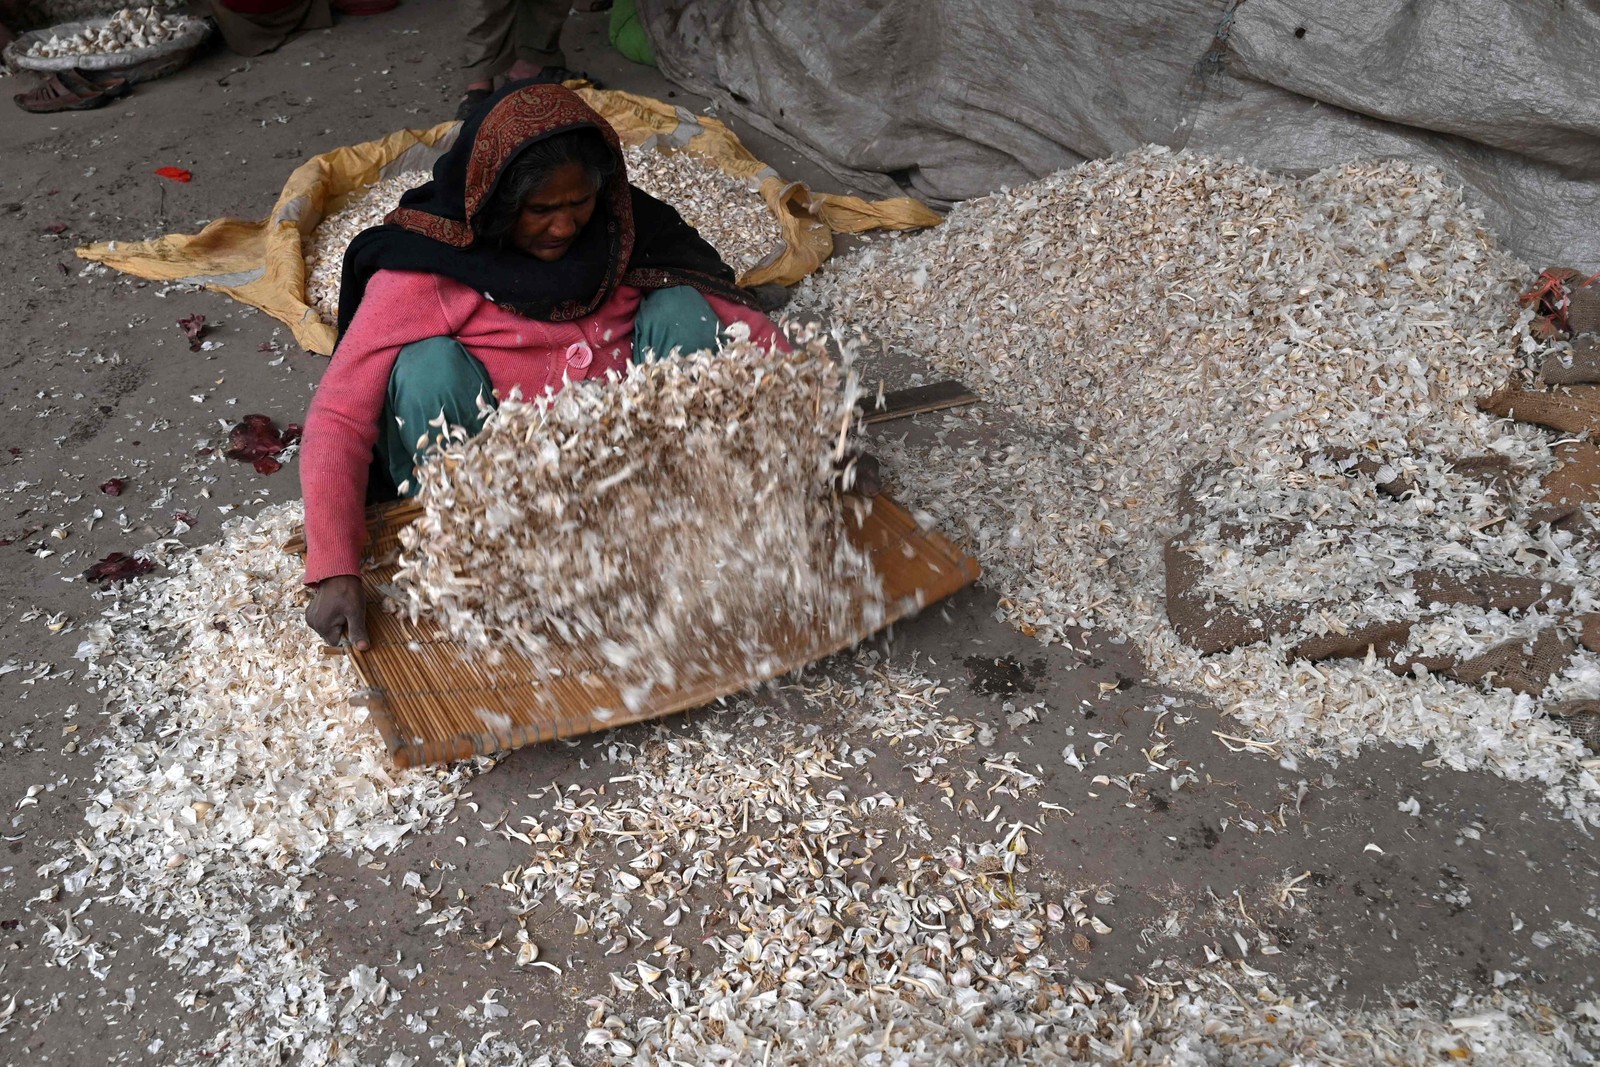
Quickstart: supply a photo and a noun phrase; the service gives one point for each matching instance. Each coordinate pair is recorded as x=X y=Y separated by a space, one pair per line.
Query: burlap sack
x=1521 y=666
x=1495 y=472
x=1498 y=592
x=1211 y=623
x=1570 y=487
x=1203 y=620
x=1583 y=309
x=1582 y=717
x=1574 y=409
x=1578 y=365
x=1385 y=639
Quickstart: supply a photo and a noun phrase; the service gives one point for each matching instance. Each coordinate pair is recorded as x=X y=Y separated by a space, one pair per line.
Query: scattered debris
x=1176 y=314
x=119 y=567
x=194 y=328
x=257 y=441
x=232 y=763
x=746 y=881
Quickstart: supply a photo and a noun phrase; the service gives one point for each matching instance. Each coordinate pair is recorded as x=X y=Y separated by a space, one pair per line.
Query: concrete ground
x=1488 y=889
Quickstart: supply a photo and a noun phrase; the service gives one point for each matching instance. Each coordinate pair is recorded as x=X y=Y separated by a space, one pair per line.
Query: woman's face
x=553 y=214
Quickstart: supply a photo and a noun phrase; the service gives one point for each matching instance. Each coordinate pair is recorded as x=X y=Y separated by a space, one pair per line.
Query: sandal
x=67 y=90
x=470 y=101
x=113 y=85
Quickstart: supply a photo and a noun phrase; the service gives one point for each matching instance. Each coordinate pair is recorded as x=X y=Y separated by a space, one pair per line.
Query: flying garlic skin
x=667 y=520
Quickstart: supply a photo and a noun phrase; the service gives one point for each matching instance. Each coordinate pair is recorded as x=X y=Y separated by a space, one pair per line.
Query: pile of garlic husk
x=728 y=212
x=1141 y=318
x=324 y=249
x=232 y=763
x=757 y=894
x=679 y=522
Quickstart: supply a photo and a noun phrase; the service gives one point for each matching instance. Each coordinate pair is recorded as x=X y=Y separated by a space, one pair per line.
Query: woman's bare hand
x=860 y=472
x=338 y=611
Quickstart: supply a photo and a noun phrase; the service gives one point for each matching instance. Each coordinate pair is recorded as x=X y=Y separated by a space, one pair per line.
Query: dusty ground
x=1486 y=888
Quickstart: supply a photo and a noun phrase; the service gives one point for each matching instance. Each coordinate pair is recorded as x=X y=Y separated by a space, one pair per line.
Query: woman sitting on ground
x=528 y=262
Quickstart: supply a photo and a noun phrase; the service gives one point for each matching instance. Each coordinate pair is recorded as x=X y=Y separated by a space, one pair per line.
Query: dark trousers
x=500 y=32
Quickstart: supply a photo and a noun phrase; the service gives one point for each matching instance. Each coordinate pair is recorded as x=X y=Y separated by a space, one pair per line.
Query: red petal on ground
x=56 y=227
x=291 y=433
x=268 y=465
x=253 y=439
x=15 y=451
x=187 y=517
x=4 y=541
x=175 y=174
x=118 y=567
x=114 y=487
x=194 y=328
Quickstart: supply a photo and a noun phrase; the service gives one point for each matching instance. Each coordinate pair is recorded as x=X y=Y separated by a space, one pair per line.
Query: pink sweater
x=400 y=307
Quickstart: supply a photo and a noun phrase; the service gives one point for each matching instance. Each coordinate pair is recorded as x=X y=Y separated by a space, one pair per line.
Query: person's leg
x=429 y=377
x=490 y=29
x=677 y=318
x=10 y=15
x=537 y=38
x=254 y=34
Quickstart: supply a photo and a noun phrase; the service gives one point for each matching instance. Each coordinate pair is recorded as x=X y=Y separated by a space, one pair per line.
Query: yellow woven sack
x=263 y=263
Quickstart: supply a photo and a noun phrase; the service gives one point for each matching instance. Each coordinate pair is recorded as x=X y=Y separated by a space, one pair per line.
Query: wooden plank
x=434 y=700
x=902 y=403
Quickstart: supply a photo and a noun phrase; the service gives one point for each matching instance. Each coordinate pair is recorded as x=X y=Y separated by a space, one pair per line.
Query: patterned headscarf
x=632 y=239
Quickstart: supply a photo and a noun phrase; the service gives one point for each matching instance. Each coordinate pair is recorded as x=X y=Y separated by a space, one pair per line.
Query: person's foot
x=522 y=70
x=546 y=74
x=476 y=94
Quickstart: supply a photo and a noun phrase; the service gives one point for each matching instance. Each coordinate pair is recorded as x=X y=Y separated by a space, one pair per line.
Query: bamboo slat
x=434 y=700
x=917 y=400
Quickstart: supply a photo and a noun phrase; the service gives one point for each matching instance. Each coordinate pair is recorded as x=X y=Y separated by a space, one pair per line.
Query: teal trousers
x=672 y=321
x=437 y=377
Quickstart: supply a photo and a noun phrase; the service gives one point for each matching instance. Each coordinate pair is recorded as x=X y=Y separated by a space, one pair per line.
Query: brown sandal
x=67 y=90
x=113 y=85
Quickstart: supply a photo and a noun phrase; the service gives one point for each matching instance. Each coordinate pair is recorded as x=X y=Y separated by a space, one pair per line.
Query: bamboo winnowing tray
x=435 y=700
